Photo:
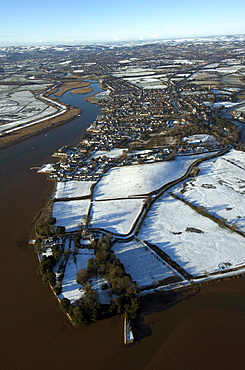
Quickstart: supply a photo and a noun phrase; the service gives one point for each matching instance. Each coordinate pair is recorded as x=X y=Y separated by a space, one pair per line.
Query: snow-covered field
x=141 y=179
x=201 y=138
x=78 y=70
x=10 y=89
x=73 y=189
x=143 y=77
x=34 y=87
x=146 y=82
x=226 y=104
x=195 y=242
x=198 y=244
x=70 y=288
x=22 y=107
x=144 y=266
x=239 y=110
x=70 y=214
x=116 y=216
x=19 y=108
x=133 y=71
x=220 y=188
x=220 y=92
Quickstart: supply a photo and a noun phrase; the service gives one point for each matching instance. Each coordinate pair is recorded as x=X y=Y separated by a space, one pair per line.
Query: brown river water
x=204 y=330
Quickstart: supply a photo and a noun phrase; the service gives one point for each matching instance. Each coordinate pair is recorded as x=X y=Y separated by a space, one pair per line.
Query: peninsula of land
x=166 y=147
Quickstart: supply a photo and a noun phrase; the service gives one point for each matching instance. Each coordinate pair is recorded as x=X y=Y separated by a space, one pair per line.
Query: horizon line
x=113 y=42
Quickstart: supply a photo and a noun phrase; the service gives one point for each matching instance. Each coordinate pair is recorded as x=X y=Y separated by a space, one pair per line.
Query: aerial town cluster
x=171 y=113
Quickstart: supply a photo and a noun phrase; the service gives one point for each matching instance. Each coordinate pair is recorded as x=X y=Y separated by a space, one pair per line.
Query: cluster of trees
x=46 y=265
x=197 y=127
x=45 y=226
x=107 y=265
x=232 y=131
x=221 y=128
x=86 y=310
x=45 y=269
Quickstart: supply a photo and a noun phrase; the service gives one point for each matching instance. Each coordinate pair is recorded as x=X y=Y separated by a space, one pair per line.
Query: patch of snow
x=78 y=71
x=104 y=296
x=141 y=179
x=114 y=153
x=66 y=62
x=116 y=216
x=46 y=168
x=220 y=92
x=73 y=189
x=48 y=252
x=226 y=104
x=204 y=138
x=144 y=266
x=70 y=213
x=70 y=288
x=220 y=188
x=171 y=226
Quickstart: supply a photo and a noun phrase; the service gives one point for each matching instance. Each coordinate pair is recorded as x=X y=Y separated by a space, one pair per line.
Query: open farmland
x=117 y=216
x=70 y=213
x=220 y=188
x=20 y=108
x=193 y=245
x=141 y=179
x=144 y=266
x=73 y=189
x=199 y=245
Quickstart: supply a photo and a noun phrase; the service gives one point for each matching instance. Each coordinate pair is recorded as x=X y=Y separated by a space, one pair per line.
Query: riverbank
x=45 y=125
x=34 y=331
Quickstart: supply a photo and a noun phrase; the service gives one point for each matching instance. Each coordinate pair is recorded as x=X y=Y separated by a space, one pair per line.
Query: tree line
x=125 y=300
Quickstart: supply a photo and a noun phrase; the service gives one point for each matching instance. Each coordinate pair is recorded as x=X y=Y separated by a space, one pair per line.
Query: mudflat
x=83 y=90
x=71 y=85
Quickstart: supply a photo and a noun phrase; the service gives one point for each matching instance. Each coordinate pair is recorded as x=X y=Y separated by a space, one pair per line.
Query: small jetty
x=34 y=168
x=128 y=332
x=32 y=241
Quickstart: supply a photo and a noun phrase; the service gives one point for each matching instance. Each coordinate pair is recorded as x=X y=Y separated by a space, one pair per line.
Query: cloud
x=8 y=35
x=156 y=36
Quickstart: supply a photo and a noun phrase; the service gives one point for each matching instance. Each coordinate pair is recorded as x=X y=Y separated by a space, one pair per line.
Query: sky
x=79 y=21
